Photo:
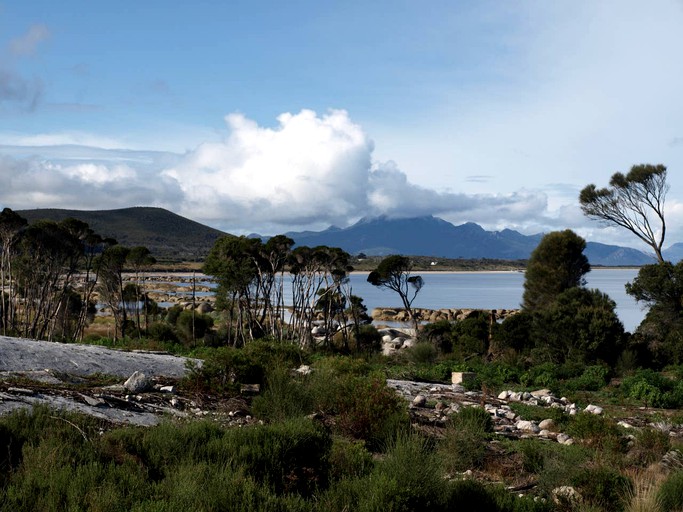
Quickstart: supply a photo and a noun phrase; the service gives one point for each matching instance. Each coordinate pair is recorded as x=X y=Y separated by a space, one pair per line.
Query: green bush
x=192 y=325
x=671 y=492
x=284 y=396
x=422 y=353
x=465 y=440
x=349 y=459
x=603 y=487
x=162 y=331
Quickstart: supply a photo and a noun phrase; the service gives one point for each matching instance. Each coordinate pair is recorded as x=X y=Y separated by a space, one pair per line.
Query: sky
x=266 y=117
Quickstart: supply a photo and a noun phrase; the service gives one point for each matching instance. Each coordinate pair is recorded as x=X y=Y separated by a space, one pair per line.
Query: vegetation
x=394 y=273
x=634 y=201
x=326 y=432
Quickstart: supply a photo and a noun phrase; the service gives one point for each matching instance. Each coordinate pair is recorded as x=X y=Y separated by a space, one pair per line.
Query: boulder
x=137 y=383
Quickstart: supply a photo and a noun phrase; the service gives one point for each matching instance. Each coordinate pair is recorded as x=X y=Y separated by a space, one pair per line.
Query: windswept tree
x=634 y=201
x=394 y=273
x=139 y=259
x=556 y=265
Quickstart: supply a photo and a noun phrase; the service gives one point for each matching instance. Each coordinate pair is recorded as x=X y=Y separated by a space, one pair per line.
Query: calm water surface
x=496 y=290
x=491 y=290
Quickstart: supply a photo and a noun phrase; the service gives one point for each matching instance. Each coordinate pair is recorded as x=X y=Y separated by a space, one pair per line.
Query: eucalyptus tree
x=46 y=262
x=634 y=201
x=140 y=259
x=11 y=223
x=234 y=270
x=110 y=266
x=395 y=273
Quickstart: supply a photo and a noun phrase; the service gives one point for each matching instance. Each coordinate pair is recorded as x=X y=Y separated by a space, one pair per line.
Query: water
x=496 y=290
x=490 y=290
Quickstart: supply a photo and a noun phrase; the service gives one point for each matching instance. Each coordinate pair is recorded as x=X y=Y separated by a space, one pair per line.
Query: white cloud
x=309 y=171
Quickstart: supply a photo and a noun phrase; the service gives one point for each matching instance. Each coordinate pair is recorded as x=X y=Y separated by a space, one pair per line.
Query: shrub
x=603 y=487
x=284 y=396
x=193 y=325
x=671 y=492
x=650 y=446
x=162 y=331
x=349 y=459
x=421 y=353
x=466 y=437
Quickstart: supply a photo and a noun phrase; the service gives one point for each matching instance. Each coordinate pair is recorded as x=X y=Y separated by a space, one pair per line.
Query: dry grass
x=646 y=484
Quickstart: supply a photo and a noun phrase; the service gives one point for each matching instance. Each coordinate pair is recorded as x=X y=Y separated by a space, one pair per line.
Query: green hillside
x=168 y=236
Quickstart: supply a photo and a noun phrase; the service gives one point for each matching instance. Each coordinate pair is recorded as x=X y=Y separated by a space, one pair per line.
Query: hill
x=431 y=236
x=168 y=236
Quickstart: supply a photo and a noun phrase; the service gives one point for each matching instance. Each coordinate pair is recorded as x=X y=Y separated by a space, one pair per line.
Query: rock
x=304 y=369
x=250 y=389
x=564 y=439
x=137 y=383
x=419 y=401
x=205 y=308
x=545 y=433
x=503 y=395
x=528 y=426
x=541 y=393
x=566 y=495
x=547 y=424
x=461 y=377
x=20 y=391
x=593 y=409
x=624 y=424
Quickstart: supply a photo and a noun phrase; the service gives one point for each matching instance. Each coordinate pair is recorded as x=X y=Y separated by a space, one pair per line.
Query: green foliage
x=581 y=326
x=225 y=368
x=349 y=459
x=661 y=332
x=634 y=201
x=284 y=396
x=162 y=331
x=603 y=487
x=650 y=446
x=423 y=352
x=515 y=332
x=465 y=440
x=393 y=273
x=653 y=389
x=192 y=325
x=670 y=492
x=557 y=264
x=597 y=431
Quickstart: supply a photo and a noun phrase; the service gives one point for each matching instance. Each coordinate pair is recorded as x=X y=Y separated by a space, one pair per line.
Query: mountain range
x=431 y=236
x=172 y=237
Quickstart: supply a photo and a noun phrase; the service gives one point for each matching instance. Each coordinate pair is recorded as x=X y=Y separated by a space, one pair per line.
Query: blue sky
x=270 y=116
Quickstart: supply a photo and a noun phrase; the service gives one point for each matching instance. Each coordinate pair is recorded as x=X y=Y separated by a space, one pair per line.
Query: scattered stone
x=593 y=409
x=461 y=377
x=137 y=383
x=167 y=389
x=541 y=393
x=547 y=424
x=419 y=401
x=564 y=439
x=624 y=424
x=528 y=426
x=566 y=495
x=304 y=369
x=503 y=395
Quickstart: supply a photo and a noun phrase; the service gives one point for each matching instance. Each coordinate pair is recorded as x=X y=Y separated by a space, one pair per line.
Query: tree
x=660 y=286
x=580 y=326
x=394 y=273
x=110 y=265
x=557 y=264
x=634 y=201
x=11 y=223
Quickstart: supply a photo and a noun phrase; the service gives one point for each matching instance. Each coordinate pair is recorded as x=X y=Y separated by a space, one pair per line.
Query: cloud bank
x=307 y=171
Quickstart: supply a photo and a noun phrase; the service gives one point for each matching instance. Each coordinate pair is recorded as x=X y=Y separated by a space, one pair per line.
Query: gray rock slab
x=24 y=355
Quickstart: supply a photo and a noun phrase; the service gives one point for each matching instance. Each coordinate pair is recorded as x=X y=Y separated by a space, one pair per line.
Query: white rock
x=419 y=401
x=624 y=424
x=564 y=439
x=593 y=409
x=527 y=426
x=566 y=495
x=547 y=424
x=503 y=395
x=545 y=433
x=541 y=393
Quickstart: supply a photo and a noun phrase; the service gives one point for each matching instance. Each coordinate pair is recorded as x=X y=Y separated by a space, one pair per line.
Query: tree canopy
x=634 y=201
x=393 y=273
x=557 y=264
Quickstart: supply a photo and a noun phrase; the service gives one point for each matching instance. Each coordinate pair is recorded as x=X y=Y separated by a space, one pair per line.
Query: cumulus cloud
x=311 y=170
